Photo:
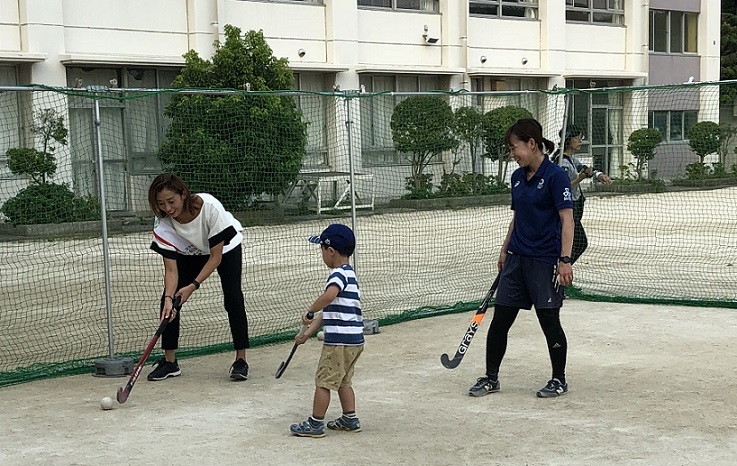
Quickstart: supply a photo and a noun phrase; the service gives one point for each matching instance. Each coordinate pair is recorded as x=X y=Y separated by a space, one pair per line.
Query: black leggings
x=230 y=272
x=496 y=340
x=580 y=241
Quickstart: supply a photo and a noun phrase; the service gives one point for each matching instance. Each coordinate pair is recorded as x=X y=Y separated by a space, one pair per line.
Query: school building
x=373 y=45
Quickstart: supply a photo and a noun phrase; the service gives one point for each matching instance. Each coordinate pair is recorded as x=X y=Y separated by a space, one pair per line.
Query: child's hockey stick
x=283 y=366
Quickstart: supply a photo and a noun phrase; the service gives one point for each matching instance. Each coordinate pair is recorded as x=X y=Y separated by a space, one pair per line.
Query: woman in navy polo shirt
x=534 y=262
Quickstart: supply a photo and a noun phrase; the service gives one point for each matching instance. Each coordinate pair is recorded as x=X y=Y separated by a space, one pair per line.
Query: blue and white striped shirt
x=342 y=321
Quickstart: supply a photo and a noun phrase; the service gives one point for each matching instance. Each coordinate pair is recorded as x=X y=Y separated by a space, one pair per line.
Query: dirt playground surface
x=649 y=385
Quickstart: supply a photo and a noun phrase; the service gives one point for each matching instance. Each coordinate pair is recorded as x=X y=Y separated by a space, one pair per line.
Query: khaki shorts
x=335 y=369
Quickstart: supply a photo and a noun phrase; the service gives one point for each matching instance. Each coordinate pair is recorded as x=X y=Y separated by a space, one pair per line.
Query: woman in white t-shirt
x=195 y=235
x=577 y=172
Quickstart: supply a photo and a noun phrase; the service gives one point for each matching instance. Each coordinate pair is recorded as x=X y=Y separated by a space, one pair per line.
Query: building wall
x=343 y=42
x=674 y=69
x=693 y=6
x=671 y=158
x=337 y=33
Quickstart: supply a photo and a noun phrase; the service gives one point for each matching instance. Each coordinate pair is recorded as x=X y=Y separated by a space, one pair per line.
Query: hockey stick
x=123 y=393
x=475 y=322
x=283 y=366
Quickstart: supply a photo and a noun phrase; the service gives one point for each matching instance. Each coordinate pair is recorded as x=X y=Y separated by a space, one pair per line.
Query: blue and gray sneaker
x=345 y=424
x=554 y=388
x=484 y=385
x=308 y=429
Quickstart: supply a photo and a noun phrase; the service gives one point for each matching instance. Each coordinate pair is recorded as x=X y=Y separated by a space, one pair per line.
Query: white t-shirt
x=212 y=225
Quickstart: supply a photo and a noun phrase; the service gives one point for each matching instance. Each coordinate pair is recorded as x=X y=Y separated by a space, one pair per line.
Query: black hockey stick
x=283 y=366
x=123 y=393
x=475 y=322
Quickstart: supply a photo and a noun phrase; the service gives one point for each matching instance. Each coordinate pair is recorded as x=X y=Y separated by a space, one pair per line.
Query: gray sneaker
x=553 y=388
x=484 y=386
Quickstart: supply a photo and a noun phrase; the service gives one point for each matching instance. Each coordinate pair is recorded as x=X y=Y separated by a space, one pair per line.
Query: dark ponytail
x=529 y=128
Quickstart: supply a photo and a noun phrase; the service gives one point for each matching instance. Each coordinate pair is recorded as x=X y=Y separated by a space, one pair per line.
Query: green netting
x=429 y=185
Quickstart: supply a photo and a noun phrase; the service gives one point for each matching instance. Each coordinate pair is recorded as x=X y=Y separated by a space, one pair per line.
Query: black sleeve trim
x=164 y=252
x=223 y=237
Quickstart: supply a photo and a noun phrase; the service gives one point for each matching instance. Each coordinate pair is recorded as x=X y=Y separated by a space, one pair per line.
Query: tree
x=239 y=145
x=495 y=124
x=43 y=201
x=728 y=133
x=469 y=130
x=728 y=44
x=642 y=144
x=704 y=138
x=422 y=126
x=40 y=164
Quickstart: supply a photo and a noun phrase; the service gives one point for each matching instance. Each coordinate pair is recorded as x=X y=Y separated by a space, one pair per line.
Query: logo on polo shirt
x=540 y=184
x=567 y=194
x=516 y=184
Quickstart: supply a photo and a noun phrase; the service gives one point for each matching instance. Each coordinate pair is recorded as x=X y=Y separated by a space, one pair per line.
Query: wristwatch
x=565 y=259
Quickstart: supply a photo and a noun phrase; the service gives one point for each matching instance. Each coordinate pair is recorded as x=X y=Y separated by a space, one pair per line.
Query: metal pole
x=349 y=123
x=567 y=104
x=105 y=248
x=369 y=325
x=111 y=366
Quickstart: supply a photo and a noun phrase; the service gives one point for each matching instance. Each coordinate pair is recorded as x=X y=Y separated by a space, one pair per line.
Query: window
x=673 y=125
x=599 y=116
x=504 y=8
x=595 y=11
x=377 y=145
x=486 y=102
x=136 y=125
x=10 y=118
x=145 y=123
x=420 y=5
x=672 y=31
x=316 y=2
x=314 y=111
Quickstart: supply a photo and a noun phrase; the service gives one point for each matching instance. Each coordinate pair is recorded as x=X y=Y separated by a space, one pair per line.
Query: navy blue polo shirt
x=536 y=204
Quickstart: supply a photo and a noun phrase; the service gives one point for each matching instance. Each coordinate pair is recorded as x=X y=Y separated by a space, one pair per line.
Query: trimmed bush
x=49 y=203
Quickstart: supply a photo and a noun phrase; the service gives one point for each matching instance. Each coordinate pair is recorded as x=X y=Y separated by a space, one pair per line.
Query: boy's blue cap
x=338 y=237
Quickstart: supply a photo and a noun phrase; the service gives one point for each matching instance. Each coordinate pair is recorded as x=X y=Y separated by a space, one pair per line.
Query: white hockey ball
x=106 y=403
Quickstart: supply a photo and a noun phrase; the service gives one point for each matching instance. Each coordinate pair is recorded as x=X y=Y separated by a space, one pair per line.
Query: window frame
x=500 y=85
x=606 y=156
x=531 y=5
x=668 y=40
x=146 y=162
x=591 y=11
x=668 y=114
x=133 y=160
x=316 y=156
x=15 y=136
x=434 y=7
x=385 y=155
x=311 y=2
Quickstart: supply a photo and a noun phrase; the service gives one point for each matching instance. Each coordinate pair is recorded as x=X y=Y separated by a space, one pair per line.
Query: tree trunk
x=473 y=159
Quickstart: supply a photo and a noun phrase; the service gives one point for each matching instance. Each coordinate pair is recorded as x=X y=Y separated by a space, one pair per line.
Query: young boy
x=343 y=328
